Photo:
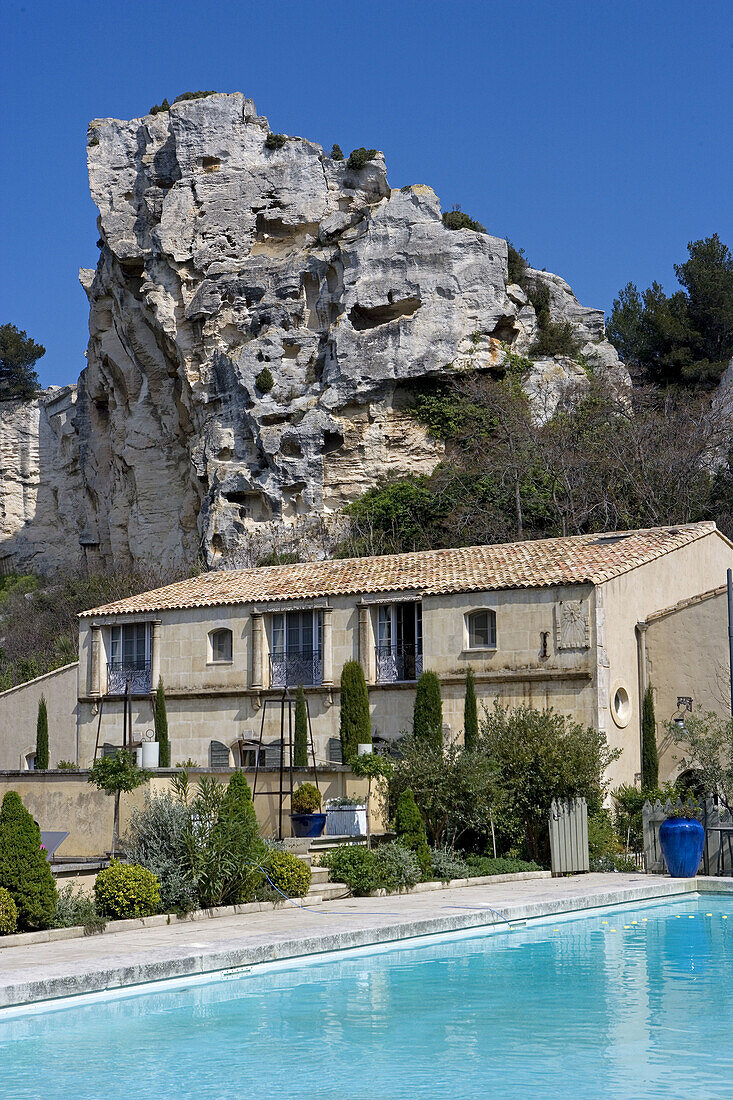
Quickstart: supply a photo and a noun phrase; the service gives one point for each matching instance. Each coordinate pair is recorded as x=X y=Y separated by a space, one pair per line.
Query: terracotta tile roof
x=580 y=559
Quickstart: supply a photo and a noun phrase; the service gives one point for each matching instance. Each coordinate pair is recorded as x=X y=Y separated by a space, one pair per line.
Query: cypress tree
x=24 y=869
x=427 y=718
x=355 y=725
x=411 y=831
x=470 y=714
x=649 y=754
x=300 y=753
x=160 y=720
x=42 y=734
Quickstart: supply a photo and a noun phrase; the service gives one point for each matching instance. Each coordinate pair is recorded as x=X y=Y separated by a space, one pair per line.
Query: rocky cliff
x=258 y=314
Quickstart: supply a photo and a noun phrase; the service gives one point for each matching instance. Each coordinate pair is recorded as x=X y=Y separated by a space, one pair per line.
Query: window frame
x=213 y=659
x=492 y=645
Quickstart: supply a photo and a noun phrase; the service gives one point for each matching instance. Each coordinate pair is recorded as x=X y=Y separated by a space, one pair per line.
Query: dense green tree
x=538 y=755
x=649 y=753
x=160 y=719
x=18 y=355
x=355 y=723
x=24 y=869
x=410 y=830
x=470 y=713
x=687 y=337
x=42 y=761
x=300 y=750
x=427 y=715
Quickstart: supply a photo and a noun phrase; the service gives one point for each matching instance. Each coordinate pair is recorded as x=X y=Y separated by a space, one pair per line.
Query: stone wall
x=65 y=801
x=19 y=712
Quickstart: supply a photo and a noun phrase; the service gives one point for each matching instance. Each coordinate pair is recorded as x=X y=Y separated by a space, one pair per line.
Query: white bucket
x=150 y=754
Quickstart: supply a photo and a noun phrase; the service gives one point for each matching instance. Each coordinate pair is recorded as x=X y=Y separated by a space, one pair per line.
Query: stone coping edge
x=49 y=935
x=105 y=978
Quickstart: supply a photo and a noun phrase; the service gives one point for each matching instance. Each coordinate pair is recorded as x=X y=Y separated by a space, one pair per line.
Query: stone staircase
x=308 y=850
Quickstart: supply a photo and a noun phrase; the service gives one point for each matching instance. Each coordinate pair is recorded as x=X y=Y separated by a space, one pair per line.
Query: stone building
x=580 y=624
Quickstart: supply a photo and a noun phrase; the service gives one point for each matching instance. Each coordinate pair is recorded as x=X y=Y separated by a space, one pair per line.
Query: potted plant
x=682 y=837
x=346 y=817
x=305 y=811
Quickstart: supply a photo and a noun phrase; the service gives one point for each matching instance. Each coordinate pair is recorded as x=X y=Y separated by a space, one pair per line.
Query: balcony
x=395 y=665
x=139 y=678
x=296 y=667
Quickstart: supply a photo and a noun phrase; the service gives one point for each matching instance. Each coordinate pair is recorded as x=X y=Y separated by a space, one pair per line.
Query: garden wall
x=19 y=711
x=65 y=801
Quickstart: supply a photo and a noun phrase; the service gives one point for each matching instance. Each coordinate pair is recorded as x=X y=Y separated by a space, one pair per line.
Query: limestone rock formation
x=258 y=314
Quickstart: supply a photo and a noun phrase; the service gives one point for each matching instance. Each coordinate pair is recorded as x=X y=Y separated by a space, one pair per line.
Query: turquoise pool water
x=616 y=1003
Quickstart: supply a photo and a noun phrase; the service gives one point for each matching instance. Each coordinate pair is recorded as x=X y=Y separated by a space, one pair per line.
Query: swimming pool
x=617 y=1003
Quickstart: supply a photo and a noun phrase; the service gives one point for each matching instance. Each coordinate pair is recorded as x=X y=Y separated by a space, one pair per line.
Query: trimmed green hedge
x=126 y=890
x=24 y=869
x=289 y=874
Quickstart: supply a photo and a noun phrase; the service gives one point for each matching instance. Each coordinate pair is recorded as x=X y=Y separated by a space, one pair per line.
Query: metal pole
x=730 y=634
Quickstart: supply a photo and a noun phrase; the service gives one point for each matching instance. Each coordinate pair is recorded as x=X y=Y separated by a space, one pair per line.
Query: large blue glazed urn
x=682 y=840
x=308 y=824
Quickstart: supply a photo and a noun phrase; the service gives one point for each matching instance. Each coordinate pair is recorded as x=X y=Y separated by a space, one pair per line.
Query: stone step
x=323 y=843
x=328 y=890
x=319 y=874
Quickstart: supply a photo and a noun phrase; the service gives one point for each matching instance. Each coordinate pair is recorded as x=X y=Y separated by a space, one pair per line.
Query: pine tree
x=24 y=869
x=470 y=714
x=427 y=718
x=18 y=353
x=649 y=754
x=355 y=727
x=300 y=753
x=42 y=735
x=160 y=716
x=411 y=831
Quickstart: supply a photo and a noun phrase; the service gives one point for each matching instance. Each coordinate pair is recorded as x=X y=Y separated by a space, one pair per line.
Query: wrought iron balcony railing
x=296 y=667
x=394 y=665
x=138 y=676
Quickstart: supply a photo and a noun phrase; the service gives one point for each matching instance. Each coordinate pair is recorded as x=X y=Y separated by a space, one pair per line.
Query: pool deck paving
x=43 y=971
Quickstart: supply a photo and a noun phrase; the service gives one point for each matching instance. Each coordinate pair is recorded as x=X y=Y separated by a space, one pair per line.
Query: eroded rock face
x=41 y=497
x=225 y=262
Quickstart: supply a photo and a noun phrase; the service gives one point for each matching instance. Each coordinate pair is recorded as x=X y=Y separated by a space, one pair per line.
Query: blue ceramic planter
x=308 y=824
x=682 y=840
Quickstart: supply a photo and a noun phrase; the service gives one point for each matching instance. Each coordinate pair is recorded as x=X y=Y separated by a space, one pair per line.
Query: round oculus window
x=620 y=706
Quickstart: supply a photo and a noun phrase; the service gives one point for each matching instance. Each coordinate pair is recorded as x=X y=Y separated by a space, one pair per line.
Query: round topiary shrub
x=8 y=913
x=306 y=799
x=24 y=870
x=126 y=890
x=289 y=874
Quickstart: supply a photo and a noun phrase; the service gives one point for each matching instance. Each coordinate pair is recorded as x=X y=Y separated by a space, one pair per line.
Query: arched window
x=221 y=646
x=481 y=629
x=218 y=755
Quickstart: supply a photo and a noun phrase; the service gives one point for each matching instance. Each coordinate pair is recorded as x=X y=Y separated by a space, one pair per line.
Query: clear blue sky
x=595 y=134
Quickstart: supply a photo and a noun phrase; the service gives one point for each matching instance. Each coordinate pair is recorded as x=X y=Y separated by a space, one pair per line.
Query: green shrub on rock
x=275 y=141
x=264 y=380
x=456 y=219
x=337 y=152
x=289 y=874
x=24 y=870
x=8 y=913
x=126 y=890
x=359 y=158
